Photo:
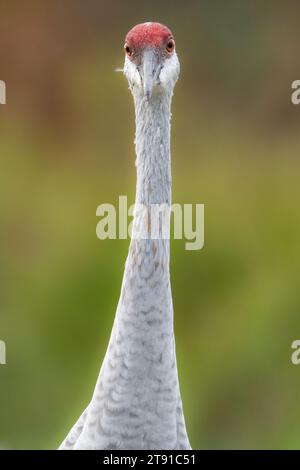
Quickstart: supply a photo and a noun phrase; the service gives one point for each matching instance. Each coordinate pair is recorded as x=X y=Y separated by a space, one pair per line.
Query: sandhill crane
x=136 y=402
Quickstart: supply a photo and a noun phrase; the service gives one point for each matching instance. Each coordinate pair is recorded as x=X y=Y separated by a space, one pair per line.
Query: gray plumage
x=136 y=402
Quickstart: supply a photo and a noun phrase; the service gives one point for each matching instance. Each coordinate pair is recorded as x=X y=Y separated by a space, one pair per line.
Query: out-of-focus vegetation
x=66 y=146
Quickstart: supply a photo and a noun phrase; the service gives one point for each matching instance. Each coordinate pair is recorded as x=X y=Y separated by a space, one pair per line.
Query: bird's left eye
x=170 y=45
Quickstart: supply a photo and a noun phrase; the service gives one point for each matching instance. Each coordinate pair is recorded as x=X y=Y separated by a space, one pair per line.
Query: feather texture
x=136 y=402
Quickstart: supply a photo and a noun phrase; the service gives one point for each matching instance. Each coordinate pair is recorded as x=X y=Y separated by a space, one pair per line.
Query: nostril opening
x=157 y=73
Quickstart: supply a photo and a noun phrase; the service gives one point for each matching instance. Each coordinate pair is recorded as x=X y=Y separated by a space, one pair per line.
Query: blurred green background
x=66 y=146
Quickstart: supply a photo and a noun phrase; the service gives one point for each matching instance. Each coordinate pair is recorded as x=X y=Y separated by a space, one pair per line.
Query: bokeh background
x=66 y=146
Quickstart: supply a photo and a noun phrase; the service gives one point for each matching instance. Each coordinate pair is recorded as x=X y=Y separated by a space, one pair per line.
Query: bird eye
x=128 y=50
x=170 y=45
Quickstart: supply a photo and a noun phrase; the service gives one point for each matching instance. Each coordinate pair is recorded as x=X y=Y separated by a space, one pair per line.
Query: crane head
x=151 y=62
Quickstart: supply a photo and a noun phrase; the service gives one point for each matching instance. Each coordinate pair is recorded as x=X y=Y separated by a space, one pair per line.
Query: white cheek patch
x=167 y=77
x=170 y=71
x=132 y=74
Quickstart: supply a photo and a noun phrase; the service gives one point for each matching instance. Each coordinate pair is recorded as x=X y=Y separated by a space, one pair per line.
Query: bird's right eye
x=128 y=50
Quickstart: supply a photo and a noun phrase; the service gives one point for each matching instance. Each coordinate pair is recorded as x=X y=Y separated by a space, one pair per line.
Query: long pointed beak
x=149 y=71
